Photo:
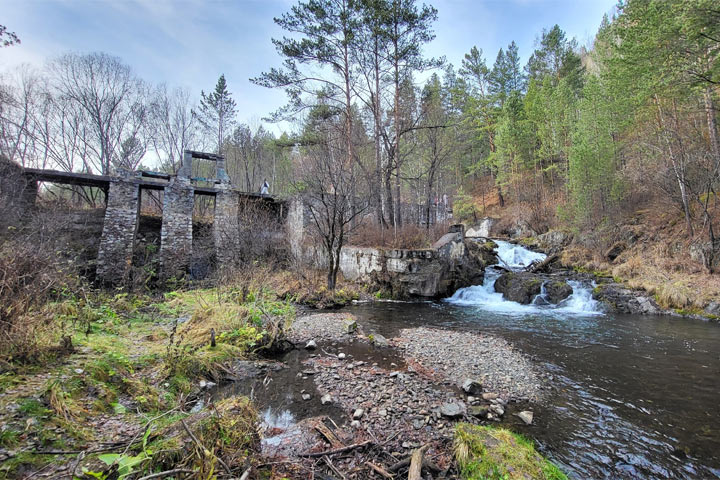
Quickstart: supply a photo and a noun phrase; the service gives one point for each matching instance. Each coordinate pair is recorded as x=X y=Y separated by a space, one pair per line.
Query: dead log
x=541 y=266
x=416 y=462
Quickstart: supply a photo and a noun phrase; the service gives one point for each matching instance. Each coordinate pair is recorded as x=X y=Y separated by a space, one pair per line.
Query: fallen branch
x=416 y=462
x=378 y=469
x=337 y=450
x=166 y=473
x=541 y=266
x=329 y=463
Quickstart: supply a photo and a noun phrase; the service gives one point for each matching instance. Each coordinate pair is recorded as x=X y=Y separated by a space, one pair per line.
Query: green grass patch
x=492 y=453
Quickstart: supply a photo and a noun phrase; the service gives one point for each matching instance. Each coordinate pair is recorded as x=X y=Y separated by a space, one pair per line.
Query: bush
x=30 y=276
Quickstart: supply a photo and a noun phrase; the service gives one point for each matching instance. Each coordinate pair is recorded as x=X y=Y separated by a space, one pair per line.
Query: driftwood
x=332 y=439
x=337 y=450
x=378 y=469
x=541 y=266
x=416 y=462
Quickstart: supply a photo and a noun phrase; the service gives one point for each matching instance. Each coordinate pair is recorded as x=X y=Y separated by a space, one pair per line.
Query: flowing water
x=633 y=397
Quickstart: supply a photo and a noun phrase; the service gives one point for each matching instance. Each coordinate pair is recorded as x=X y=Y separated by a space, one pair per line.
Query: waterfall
x=515 y=258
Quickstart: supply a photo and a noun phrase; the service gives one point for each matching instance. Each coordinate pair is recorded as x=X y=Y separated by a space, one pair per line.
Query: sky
x=189 y=43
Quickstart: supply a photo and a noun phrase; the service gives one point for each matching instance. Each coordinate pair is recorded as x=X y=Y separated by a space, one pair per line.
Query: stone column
x=118 y=234
x=296 y=227
x=176 y=231
x=226 y=227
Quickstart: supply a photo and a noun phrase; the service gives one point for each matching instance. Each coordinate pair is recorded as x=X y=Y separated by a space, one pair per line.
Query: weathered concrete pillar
x=296 y=227
x=118 y=234
x=226 y=227
x=176 y=232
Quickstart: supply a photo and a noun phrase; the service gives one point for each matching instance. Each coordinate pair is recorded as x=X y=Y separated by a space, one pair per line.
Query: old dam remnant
x=122 y=212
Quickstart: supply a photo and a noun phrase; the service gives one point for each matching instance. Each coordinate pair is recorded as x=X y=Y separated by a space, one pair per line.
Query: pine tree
x=217 y=111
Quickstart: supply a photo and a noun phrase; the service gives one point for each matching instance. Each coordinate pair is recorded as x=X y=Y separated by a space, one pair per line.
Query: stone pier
x=118 y=234
x=176 y=233
x=226 y=227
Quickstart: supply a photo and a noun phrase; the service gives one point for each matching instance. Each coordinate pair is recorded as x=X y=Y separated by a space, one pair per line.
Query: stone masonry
x=118 y=234
x=226 y=226
x=176 y=232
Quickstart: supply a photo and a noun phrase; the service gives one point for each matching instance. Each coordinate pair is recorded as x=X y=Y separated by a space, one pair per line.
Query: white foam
x=515 y=257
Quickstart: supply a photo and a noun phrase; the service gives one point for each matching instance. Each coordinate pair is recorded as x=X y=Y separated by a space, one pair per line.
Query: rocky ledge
x=523 y=287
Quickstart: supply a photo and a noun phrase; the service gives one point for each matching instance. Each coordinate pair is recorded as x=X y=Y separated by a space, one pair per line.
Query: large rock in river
x=557 y=290
x=521 y=287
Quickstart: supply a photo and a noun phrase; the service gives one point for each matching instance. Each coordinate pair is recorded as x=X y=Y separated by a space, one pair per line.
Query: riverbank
x=145 y=375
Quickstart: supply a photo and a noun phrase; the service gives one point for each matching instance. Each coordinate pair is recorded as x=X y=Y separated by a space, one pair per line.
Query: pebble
x=306 y=396
x=326 y=399
x=341 y=356
x=358 y=413
x=311 y=345
x=458 y=356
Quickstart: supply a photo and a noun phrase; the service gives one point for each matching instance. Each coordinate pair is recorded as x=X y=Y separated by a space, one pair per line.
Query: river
x=632 y=397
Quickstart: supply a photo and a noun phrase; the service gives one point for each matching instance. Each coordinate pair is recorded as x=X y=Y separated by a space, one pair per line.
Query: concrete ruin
x=121 y=217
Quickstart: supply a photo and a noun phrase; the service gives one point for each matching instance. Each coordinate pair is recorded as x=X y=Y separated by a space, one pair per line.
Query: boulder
x=349 y=326
x=557 y=290
x=379 y=340
x=452 y=409
x=619 y=299
x=519 y=287
x=526 y=416
x=479 y=411
x=554 y=240
x=472 y=387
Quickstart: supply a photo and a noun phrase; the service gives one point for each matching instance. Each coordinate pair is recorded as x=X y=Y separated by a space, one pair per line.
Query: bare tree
x=328 y=184
x=175 y=128
x=114 y=102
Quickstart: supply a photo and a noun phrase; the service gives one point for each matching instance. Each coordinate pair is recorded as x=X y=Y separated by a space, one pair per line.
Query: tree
x=175 y=128
x=556 y=58
x=328 y=187
x=113 y=102
x=7 y=38
x=216 y=112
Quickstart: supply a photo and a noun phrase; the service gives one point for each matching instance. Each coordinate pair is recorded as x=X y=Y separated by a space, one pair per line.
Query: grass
x=492 y=453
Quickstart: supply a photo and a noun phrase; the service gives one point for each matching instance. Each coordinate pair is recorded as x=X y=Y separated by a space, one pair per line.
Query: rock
x=311 y=345
x=418 y=424
x=498 y=409
x=713 y=308
x=326 y=399
x=526 y=416
x=615 y=250
x=489 y=396
x=554 y=240
x=472 y=387
x=349 y=326
x=341 y=356
x=355 y=424
x=358 y=413
x=382 y=412
x=519 y=287
x=452 y=409
x=619 y=299
x=557 y=290
x=479 y=411
x=79 y=371
x=306 y=396
x=379 y=340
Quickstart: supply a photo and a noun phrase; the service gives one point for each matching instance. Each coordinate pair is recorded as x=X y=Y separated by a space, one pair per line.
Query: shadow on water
x=634 y=397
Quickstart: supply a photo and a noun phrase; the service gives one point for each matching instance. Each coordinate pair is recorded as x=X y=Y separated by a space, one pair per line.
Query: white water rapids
x=514 y=257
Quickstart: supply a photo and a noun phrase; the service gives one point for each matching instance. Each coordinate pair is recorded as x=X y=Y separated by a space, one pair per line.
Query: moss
x=485 y=452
